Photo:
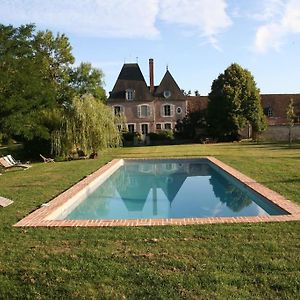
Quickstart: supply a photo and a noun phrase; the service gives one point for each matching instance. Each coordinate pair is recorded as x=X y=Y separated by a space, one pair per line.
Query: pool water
x=151 y=189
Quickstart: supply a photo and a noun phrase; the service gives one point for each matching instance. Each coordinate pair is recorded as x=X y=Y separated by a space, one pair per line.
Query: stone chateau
x=151 y=108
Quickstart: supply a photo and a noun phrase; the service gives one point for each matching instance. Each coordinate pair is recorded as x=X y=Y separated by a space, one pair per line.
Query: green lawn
x=238 y=261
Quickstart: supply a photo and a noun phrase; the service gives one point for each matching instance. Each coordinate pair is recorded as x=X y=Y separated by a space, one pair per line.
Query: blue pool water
x=171 y=189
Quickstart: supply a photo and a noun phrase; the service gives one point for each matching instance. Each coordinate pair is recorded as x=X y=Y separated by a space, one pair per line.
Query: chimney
x=151 y=74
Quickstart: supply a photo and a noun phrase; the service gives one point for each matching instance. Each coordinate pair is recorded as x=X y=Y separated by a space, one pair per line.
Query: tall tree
x=33 y=70
x=85 y=79
x=234 y=102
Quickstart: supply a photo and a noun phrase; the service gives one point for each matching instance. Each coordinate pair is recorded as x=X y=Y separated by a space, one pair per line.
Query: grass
x=240 y=261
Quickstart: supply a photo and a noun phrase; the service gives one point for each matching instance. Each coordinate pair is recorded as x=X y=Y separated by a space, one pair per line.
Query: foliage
x=88 y=80
x=129 y=136
x=33 y=75
x=86 y=124
x=191 y=123
x=290 y=115
x=234 y=102
x=37 y=88
x=163 y=135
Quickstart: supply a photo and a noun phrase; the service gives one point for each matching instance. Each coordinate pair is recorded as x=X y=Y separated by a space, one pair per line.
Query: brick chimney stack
x=151 y=75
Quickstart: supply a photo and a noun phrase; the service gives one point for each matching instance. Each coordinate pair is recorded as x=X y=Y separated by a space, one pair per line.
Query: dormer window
x=270 y=112
x=167 y=94
x=129 y=94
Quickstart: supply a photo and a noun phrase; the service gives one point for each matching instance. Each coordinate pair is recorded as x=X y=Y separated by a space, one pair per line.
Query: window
x=168 y=126
x=167 y=110
x=130 y=128
x=129 y=93
x=158 y=126
x=118 y=110
x=143 y=111
x=270 y=112
x=167 y=94
x=144 y=128
x=178 y=110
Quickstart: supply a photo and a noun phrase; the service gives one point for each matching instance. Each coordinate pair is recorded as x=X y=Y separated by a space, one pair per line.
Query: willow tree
x=86 y=124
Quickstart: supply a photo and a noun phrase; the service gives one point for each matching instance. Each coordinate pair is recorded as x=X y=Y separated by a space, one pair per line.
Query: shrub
x=164 y=135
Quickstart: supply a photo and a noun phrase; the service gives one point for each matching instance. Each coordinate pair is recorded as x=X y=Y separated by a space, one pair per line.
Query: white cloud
x=205 y=18
x=270 y=9
x=115 y=18
x=275 y=33
x=119 y=18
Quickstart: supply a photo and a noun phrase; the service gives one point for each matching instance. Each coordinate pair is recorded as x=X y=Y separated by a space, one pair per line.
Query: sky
x=196 y=39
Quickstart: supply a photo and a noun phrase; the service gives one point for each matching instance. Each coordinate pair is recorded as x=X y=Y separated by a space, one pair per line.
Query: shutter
x=171 y=110
x=139 y=111
x=162 y=111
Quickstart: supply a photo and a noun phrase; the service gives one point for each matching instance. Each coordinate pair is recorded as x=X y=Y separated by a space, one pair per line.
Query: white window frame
x=161 y=127
x=144 y=123
x=134 y=126
x=178 y=108
x=168 y=123
x=139 y=110
x=122 y=110
x=167 y=94
x=162 y=111
x=130 y=94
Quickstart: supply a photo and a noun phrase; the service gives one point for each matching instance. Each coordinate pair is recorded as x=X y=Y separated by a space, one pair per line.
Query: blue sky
x=197 y=39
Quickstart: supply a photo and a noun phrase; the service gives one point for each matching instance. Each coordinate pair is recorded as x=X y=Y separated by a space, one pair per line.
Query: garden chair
x=12 y=160
x=46 y=160
x=7 y=164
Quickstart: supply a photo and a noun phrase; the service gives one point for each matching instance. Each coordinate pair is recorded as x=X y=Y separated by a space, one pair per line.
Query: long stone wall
x=281 y=133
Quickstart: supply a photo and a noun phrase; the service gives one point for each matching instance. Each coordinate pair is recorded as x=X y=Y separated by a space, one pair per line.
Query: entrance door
x=145 y=129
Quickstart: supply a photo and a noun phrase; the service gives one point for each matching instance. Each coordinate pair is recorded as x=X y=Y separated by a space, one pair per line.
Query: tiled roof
x=130 y=77
x=277 y=103
x=196 y=103
x=169 y=84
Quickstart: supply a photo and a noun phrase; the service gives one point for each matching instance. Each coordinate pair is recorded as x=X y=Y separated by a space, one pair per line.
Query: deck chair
x=46 y=160
x=12 y=160
x=7 y=164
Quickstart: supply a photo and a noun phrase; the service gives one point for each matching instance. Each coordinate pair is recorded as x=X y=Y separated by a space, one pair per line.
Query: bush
x=129 y=136
x=164 y=135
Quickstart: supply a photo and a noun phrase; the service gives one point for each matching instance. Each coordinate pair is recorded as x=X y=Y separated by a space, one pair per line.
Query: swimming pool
x=148 y=189
x=135 y=192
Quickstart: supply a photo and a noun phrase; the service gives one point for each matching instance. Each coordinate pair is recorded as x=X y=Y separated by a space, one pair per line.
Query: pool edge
x=40 y=217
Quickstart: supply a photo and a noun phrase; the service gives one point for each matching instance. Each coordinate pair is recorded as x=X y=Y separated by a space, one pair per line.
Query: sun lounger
x=12 y=160
x=7 y=164
x=46 y=160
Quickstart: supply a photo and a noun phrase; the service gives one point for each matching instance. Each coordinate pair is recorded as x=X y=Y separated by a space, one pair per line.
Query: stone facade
x=147 y=108
x=155 y=108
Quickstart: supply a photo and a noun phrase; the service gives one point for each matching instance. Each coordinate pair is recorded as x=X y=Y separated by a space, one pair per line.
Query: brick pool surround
x=43 y=217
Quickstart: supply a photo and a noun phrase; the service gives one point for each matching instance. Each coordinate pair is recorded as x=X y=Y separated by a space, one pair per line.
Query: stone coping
x=40 y=217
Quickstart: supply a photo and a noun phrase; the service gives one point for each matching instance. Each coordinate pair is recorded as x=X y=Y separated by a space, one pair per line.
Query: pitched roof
x=169 y=84
x=278 y=103
x=130 y=77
